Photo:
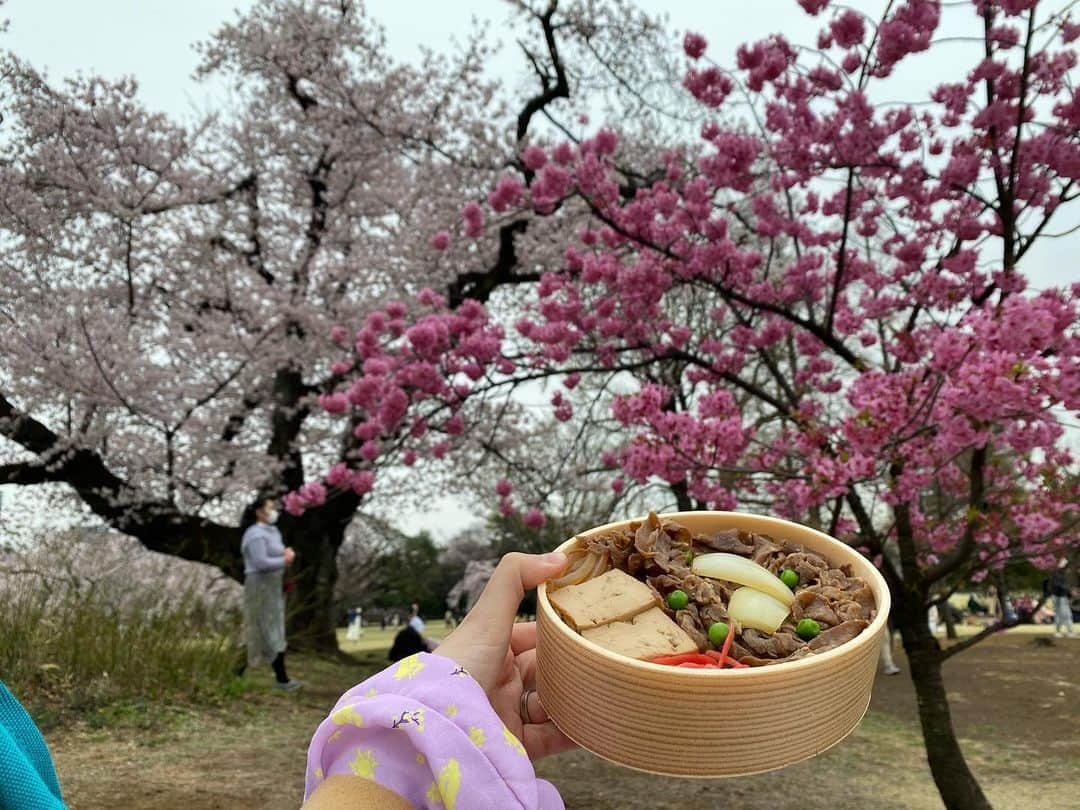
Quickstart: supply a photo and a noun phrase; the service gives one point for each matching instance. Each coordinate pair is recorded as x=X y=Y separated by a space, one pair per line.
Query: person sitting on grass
x=457 y=728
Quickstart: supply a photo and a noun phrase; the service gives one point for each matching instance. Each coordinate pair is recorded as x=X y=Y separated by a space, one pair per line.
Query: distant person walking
x=356 y=624
x=888 y=664
x=1061 y=593
x=265 y=559
x=415 y=622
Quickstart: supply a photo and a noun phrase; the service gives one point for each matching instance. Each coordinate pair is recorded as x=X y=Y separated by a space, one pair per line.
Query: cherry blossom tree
x=820 y=308
x=170 y=288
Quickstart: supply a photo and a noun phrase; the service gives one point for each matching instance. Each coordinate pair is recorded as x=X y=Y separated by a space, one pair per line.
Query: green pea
x=718 y=632
x=677 y=600
x=789 y=578
x=807 y=629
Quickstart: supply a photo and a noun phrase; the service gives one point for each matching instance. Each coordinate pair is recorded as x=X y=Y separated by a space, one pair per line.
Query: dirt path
x=1016 y=707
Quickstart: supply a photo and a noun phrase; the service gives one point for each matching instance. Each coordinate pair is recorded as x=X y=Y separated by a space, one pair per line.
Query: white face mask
x=271 y=517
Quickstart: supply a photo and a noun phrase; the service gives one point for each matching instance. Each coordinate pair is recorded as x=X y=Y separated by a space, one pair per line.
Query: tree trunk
x=950 y=621
x=316 y=536
x=955 y=782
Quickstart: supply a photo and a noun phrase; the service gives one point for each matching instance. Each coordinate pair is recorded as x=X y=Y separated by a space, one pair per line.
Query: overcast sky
x=152 y=40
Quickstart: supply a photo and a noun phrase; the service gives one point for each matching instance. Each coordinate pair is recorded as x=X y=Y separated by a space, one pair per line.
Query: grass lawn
x=1015 y=706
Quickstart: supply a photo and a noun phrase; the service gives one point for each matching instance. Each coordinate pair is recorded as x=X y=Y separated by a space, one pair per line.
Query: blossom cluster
x=825 y=287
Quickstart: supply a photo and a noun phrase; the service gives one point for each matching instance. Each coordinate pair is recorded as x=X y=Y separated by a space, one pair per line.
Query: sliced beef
x=835 y=578
x=849 y=611
x=710 y=614
x=764 y=550
x=752 y=660
x=811 y=605
x=865 y=598
x=661 y=552
x=835 y=636
x=808 y=565
x=700 y=590
x=731 y=541
x=780 y=644
x=706 y=591
x=617 y=544
x=645 y=540
x=690 y=621
x=738 y=651
x=679 y=534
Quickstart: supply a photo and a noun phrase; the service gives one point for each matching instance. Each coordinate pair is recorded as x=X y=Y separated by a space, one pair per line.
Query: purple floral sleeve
x=424 y=729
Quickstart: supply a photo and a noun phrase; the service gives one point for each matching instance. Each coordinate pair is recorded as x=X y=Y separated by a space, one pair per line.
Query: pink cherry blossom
x=363 y=481
x=334 y=403
x=534 y=518
x=534 y=157
x=694 y=45
x=473 y=215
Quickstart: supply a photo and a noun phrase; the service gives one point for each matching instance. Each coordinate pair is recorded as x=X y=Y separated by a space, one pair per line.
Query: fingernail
x=554 y=557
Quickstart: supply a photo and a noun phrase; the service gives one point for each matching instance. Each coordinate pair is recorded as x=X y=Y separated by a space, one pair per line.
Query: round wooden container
x=710 y=723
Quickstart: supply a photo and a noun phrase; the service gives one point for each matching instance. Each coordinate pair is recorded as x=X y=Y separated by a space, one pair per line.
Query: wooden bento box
x=702 y=722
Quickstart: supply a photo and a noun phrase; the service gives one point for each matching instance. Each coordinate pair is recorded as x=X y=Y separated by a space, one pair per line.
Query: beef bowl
x=709 y=644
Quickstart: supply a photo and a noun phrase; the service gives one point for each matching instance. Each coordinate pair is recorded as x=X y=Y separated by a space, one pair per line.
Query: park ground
x=1015 y=698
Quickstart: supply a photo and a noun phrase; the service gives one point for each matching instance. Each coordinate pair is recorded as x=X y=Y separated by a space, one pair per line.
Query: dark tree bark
x=316 y=536
x=950 y=622
x=955 y=782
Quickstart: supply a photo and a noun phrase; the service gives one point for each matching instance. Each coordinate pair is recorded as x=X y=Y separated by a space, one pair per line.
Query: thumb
x=516 y=573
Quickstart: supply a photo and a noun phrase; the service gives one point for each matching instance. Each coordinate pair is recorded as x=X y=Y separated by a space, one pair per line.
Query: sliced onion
x=575 y=570
x=733 y=568
x=583 y=566
x=600 y=567
x=751 y=608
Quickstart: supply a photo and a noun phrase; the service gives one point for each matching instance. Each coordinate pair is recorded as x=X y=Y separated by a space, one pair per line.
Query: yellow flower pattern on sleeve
x=408 y=668
x=364 y=764
x=433 y=795
x=347 y=715
x=476 y=734
x=513 y=741
x=450 y=783
x=437 y=779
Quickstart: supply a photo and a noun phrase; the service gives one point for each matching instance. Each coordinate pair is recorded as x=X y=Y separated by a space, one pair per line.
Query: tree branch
x=971 y=641
x=156 y=523
x=25 y=474
x=561 y=88
x=964 y=549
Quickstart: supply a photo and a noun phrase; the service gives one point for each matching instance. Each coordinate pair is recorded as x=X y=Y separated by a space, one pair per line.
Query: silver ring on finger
x=523 y=706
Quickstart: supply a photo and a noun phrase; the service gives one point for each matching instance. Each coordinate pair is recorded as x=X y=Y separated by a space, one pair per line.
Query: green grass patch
x=114 y=658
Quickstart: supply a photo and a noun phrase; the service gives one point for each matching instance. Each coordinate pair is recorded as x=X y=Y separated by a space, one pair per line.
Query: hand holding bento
x=501 y=655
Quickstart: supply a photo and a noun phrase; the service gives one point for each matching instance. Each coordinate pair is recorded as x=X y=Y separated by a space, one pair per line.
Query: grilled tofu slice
x=647 y=635
x=610 y=597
